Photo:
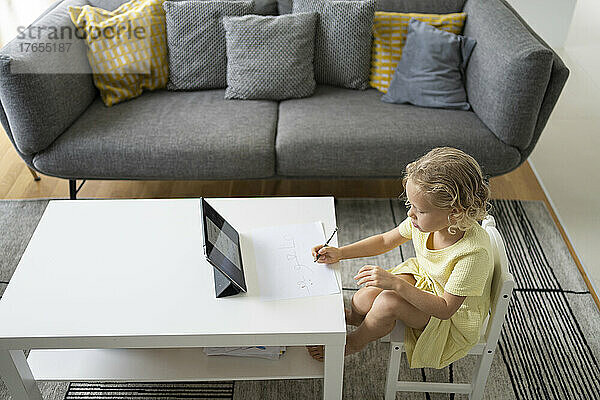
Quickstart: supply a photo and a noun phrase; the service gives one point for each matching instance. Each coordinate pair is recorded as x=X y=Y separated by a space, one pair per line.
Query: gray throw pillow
x=270 y=57
x=342 y=41
x=430 y=72
x=196 y=42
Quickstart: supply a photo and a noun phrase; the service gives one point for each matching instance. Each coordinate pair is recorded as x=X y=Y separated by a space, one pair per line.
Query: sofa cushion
x=284 y=6
x=430 y=73
x=42 y=93
x=109 y=5
x=265 y=7
x=280 y=66
x=342 y=40
x=196 y=42
x=421 y=6
x=389 y=38
x=167 y=135
x=348 y=133
x=261 y=7
x=414 y=6
x=125 y=64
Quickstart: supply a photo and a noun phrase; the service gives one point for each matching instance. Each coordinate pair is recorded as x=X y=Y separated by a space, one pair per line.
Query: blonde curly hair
x=451 y=180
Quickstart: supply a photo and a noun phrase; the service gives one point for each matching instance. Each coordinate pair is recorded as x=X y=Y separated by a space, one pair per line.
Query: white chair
x=502 y=287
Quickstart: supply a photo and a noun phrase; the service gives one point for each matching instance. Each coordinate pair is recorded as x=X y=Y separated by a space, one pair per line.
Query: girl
x=443 y=294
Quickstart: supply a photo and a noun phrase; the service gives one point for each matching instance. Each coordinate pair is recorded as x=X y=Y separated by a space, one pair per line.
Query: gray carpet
x=549 y=346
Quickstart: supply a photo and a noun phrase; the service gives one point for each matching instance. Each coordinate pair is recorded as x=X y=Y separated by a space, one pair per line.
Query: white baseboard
x=557 y=213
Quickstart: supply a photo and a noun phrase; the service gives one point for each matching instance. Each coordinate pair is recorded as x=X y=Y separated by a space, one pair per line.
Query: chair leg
x=393 y=370
x=480 y=374
x=34 y=174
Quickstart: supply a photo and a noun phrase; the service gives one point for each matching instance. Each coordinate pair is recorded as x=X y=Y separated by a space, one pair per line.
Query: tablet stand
x=223 y=286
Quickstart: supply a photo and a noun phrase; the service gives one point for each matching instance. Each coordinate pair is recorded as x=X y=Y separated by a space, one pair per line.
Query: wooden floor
x=16 y=182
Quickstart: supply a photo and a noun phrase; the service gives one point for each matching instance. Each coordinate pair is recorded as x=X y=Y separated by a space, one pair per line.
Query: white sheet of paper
x=285 y=266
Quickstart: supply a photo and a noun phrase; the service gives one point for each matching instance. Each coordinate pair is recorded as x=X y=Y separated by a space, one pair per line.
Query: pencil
x=327 y=242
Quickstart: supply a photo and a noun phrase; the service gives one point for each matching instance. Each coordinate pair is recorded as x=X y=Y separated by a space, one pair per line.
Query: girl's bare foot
x=318 y=352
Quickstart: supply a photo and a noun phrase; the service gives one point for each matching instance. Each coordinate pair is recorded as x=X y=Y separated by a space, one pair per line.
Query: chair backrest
x=503 y=283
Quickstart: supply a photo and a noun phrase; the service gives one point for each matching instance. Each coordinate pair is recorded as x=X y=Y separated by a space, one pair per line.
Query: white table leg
x=17 y=376
x=334 y=372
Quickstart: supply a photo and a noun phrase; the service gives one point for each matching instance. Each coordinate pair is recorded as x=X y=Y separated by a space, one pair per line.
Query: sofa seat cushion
x=167 y=135
x=340 y=132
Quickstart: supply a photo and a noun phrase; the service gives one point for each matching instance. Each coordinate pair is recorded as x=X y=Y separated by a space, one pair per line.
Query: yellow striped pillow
x=127 y=47
x=389 y=31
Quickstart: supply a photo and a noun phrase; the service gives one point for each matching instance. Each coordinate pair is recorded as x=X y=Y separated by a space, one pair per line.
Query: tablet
x=222 y=245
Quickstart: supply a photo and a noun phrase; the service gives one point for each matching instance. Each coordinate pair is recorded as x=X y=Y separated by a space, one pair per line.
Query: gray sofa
x=60 y=127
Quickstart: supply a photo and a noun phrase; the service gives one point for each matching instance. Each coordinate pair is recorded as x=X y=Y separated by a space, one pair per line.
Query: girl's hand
x=328 y=255
x=372 y=275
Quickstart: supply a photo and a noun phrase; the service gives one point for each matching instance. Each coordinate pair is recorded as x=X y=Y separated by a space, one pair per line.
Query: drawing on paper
x=284 y=263
x=302 y=273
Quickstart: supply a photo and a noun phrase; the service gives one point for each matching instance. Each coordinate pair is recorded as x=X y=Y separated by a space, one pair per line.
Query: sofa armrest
x=4 y=122
x=43 y=93
x=558 y=79
x=508 y=73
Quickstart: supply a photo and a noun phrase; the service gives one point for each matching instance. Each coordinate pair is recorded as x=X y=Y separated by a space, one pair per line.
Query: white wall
x=549 y=18
x=567 y=156
x=14 y=13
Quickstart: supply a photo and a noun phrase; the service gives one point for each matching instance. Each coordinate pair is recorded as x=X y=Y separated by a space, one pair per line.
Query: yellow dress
x=463 y=269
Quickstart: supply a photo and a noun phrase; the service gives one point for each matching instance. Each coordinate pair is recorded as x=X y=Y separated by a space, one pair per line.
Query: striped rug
x=150 y=391
x=548 y=349
x=543 y=345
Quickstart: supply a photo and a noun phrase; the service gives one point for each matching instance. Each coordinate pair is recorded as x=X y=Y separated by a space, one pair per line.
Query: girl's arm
x=373 y=245
x=442 y=307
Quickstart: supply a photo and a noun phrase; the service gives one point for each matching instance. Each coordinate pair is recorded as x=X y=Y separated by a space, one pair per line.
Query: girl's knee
x=363 y=299
x=389 y=304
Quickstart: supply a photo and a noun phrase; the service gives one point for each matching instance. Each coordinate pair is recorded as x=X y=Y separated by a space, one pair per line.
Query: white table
x=120 y=290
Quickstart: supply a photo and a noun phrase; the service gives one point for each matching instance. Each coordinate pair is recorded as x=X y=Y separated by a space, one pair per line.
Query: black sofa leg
x=34 y=174
x=73 y=189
